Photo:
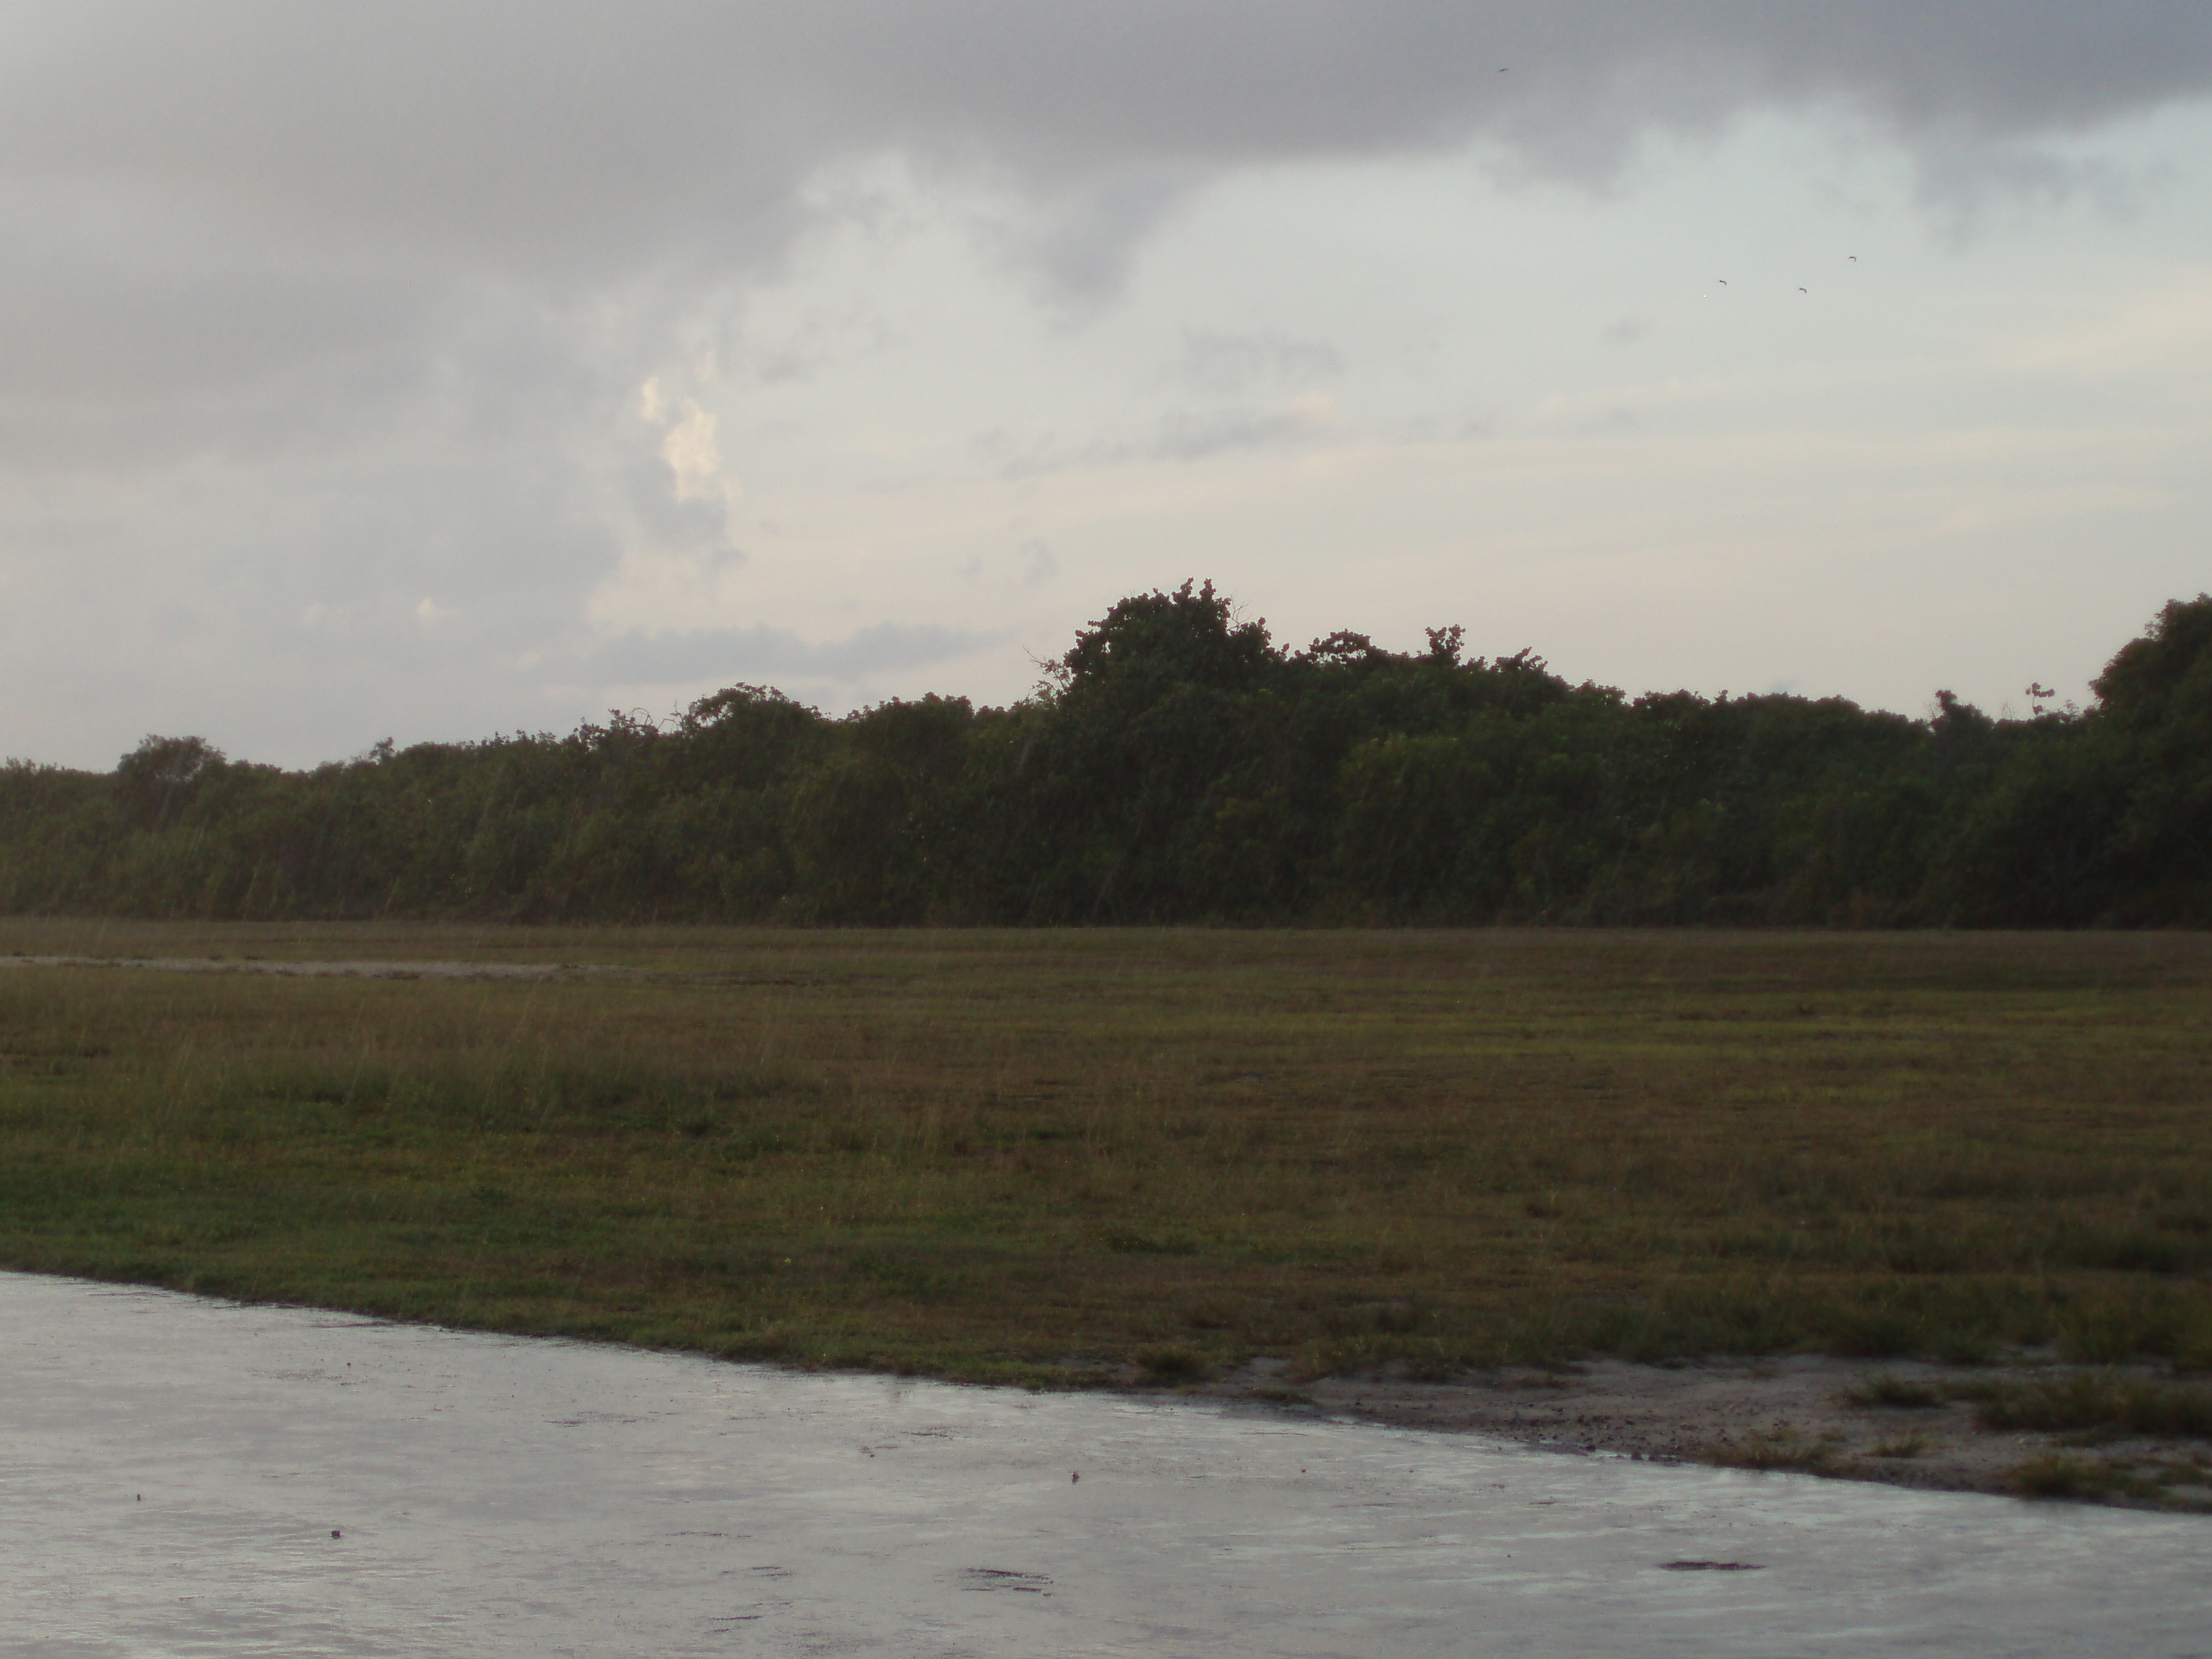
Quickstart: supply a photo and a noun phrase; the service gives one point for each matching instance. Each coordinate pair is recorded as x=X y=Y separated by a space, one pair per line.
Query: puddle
x=360 y=970
x=180 y=1476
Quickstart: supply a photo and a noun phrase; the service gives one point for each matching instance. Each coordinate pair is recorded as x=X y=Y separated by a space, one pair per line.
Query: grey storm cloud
x=198 y=202
x=588 y=141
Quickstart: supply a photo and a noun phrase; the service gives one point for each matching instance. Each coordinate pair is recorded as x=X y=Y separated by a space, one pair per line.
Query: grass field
x=1079 y=1157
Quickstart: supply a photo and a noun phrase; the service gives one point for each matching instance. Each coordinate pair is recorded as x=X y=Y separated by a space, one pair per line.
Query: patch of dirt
x=1788 y=1413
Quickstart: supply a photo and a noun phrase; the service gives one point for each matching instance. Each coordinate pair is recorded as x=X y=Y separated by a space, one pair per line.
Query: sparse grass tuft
x=2094 y=1401
x=1888 y=1390
x=2162 y=1484
x=2057 y=1474
x=1780 y=1448
x=2062 y=1475
x=1173 y=1366
x=1911 y=1444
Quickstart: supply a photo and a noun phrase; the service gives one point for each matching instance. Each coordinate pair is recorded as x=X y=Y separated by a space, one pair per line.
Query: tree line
x=1178 y=765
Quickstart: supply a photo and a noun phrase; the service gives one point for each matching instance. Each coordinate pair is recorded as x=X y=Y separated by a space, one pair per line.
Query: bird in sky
x=1800 y=290
x=1853 y=257
x=1724 y=282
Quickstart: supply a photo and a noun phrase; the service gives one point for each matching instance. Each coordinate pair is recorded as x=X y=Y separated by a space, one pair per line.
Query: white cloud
x=689 y=444
x=694 y=460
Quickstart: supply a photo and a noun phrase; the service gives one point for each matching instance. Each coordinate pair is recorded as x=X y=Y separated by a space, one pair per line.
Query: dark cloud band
x=602 y=137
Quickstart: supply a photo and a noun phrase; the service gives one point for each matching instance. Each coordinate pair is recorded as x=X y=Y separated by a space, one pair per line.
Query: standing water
x=180 y=1476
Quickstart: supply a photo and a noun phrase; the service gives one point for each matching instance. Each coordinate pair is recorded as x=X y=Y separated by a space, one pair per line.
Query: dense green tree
x=2155 y=700
x=1178 y=765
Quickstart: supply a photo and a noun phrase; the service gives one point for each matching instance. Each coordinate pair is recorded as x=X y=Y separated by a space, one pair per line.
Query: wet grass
x=1144 y=1156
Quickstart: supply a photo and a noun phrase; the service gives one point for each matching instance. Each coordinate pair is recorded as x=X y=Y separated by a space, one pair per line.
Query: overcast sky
x=430 y=370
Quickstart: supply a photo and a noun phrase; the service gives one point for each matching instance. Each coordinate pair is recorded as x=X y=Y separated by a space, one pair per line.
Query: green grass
x=1076 y=1156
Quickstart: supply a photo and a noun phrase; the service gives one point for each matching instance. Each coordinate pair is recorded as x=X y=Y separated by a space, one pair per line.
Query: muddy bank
x=1902 y=1423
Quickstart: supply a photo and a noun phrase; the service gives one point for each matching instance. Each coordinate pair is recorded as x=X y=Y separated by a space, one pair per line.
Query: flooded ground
x=186 y=1477
x=308 y=969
